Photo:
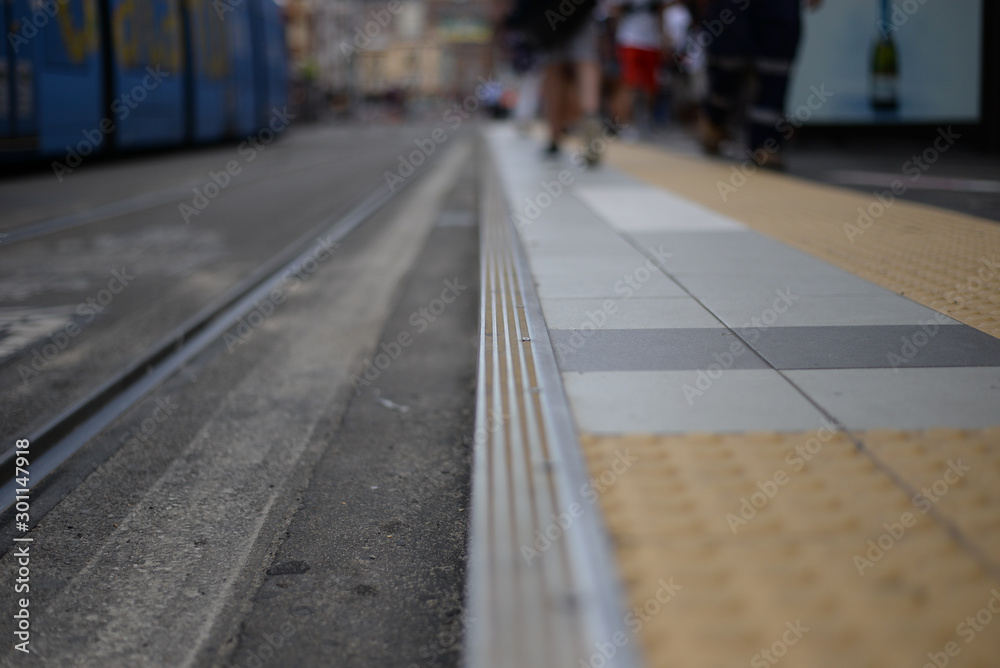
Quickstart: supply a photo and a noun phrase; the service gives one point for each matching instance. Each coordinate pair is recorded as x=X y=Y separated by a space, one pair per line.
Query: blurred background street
x=449 y=332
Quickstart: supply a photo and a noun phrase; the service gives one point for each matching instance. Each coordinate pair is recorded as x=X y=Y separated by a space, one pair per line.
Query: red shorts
x=639 y=67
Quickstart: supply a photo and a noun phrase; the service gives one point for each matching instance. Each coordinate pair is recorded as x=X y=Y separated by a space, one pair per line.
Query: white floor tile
x=636 y=313
x=828 y=310
x=658 y=402
x=965 y=398
x=647 y=209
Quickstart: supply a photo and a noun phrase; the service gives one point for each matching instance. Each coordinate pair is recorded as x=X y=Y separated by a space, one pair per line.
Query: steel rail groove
x=64 y=435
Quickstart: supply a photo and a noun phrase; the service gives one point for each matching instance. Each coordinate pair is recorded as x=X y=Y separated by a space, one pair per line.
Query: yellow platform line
x=769 y=549
x=944 y=260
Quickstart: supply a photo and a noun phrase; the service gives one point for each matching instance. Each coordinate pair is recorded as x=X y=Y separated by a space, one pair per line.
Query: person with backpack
x=566 y=33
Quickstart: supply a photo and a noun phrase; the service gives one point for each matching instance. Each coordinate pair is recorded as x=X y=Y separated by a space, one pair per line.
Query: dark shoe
x=591 y=133
x=772 y=161
x=710 y=135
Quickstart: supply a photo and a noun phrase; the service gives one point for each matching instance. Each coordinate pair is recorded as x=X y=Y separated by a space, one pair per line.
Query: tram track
x=54 y=444
x=136 y=204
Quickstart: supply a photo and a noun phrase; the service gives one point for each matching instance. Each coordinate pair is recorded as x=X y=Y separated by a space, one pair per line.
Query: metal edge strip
x=596 y=593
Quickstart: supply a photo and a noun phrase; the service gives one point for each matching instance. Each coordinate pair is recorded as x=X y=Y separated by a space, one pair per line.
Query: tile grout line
x=967 y=544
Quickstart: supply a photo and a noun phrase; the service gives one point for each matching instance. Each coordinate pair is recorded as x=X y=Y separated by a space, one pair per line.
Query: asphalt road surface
x=297 y=494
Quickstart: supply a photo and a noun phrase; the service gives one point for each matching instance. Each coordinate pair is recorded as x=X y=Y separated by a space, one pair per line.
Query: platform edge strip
x=525 y=465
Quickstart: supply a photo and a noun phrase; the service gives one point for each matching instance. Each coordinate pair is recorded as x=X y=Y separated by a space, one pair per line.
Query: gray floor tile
x=787 y=308
x=824 y=280
x=901 y=346
x=728 y=253
x=651 y=350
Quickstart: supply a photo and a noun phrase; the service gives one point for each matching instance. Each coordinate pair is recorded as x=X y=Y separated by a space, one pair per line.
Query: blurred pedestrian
x=685 y=70
x=757 y=35
x=640 y=44
x=525 y=63
x=566 y=32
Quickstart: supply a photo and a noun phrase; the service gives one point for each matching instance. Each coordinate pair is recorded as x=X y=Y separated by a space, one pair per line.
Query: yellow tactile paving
x=714 y=581
x=944 y=260
x=955 y=471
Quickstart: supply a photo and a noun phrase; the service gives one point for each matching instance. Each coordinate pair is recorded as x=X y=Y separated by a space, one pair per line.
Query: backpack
x=548 y=24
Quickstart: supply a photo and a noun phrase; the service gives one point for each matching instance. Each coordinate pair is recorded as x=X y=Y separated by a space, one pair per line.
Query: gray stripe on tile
x=874 y=347
x=651 y=350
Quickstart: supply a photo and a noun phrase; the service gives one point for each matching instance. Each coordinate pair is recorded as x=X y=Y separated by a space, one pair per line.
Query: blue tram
x=87 y=76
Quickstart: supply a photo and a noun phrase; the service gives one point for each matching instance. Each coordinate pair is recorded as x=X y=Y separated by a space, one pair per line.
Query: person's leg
x=626 y=97
x=649 y=63
x=588 y=76
x=776 y=26
x=623 y=102
x=555 y=95
x=527 y=99
x=728 y=59
x=587 y=80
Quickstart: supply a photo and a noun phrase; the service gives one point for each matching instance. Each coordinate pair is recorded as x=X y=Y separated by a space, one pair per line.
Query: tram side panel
x=277 y=53
x=242 y=79
x=74 y=73
x=213 y=99
x=271 y=60
x=6 y=106
x=24 y=56
x=50 y=80
x=21 y=66
x=70 y=113
x=147 y=74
